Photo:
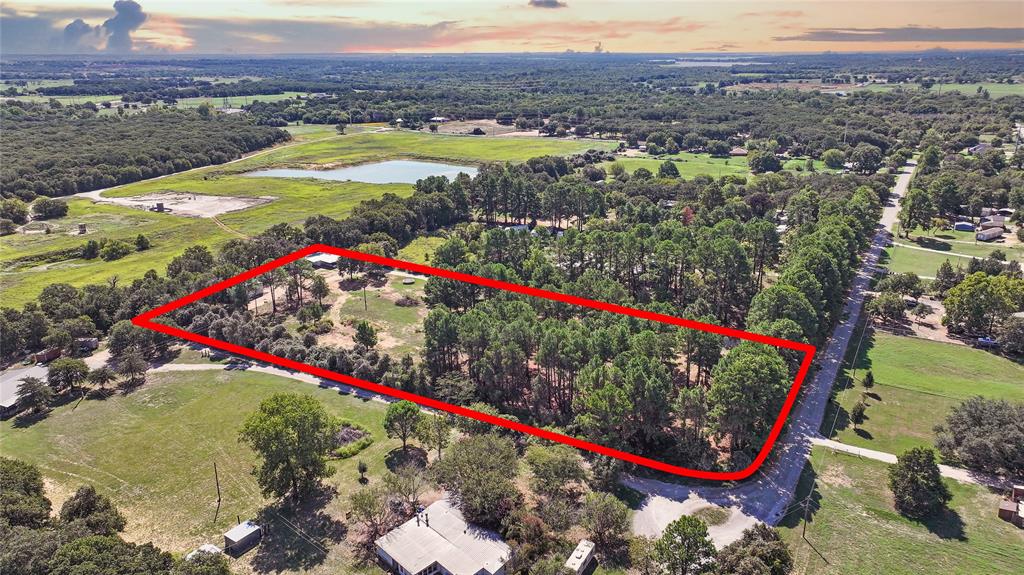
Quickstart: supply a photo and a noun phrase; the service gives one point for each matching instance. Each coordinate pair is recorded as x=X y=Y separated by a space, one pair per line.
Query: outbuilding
x=963 y=227
x=323 y=261
x=242 y=537
x=989 y=234
x=738 y=151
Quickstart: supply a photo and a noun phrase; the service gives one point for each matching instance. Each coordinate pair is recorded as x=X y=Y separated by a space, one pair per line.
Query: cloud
x=547 y=4
x=909 y=34
x=128 y=19
x=774 y=14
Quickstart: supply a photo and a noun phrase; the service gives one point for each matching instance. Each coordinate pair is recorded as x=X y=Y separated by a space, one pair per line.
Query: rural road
x=768 y=494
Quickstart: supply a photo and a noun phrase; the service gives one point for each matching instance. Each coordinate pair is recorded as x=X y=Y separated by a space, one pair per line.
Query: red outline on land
x=145 y=320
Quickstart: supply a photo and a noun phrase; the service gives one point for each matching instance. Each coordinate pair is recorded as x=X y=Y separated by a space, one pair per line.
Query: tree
x=869 y=380
x=975 y=305
x=833 y=158
x=668 y=169
x=916 y=211
x=66 y=373
x=142 y=243
x=945 y=278
x=917 y=485
x=887 y=306
x=132 y=366
x=857 y=413
x=783 y=302
x=101 y=376
x=22 y=500
x=319 y=290
x=984 y=434
x=293 y=435
x=365 y=335
x=362 y=468
x=685 y=548
x=606 y=517
x=94 y=511
x=762 y=161
x=47 y=208
x=643 y=556
x=408 y=482
x=401 y=421
x=866 y=158
x=555 y=468
x=435 y=431
x=203 y=564
x=1011 y=336
x=108 y=555
x=477 y=473
x=759 y=551
x=34 y=395
x=747 y=387
x=114 y=250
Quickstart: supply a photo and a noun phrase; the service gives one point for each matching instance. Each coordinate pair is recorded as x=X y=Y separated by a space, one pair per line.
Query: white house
x=439 y=541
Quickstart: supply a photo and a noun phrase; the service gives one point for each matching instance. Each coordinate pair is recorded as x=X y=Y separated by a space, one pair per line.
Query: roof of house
x=448 y=540
x=241 y=531
x=9 y=393
x=321 y=257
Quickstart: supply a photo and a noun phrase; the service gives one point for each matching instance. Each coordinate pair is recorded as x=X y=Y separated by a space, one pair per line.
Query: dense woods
x=102 y=151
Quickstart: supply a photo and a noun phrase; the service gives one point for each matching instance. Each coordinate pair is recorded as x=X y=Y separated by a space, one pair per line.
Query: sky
x=256 y=27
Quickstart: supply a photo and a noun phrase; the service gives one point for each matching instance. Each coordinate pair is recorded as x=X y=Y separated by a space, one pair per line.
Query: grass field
x=153 y=452
x=420 y=249
x=296 y=200
x=917 y=382
x=855 y=529
x=236 y=101
x=399 y=328
x=995 y=90
x=689 y=165
x=901 y=260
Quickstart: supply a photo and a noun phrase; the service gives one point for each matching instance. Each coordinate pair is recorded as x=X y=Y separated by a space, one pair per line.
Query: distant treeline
x=51 y=151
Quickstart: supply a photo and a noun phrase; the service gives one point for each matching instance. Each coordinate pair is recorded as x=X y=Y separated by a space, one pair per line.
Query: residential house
x=439 y=541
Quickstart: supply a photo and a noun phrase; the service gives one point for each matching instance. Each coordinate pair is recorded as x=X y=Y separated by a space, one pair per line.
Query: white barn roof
x=461 y=548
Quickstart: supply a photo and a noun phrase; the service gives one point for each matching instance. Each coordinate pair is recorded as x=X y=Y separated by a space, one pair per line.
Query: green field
x=995 y=90
x=689 y=165
x=236 y=101
x=399 y=328
x=917 y=382
x=856 y=531
x=153 y=452
x=296 y=200
x=420 y=249
x=902 y=260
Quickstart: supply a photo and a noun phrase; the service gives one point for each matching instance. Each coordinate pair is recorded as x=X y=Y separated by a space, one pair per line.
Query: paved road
x=767 y=496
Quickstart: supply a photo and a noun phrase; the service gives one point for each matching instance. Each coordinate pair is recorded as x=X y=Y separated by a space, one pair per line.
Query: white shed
x=241 y=537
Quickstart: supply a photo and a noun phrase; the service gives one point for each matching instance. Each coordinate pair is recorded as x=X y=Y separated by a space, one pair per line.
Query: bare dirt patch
x=188 y=205
x=833 y=475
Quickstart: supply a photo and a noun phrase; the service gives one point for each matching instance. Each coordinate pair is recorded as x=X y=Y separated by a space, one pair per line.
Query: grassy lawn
x=420 y=249
x=153 y=452
x=399 y=328
x=21 y=282
x=853 y=525
x=995 y=90
x=689 y=165
x=917 y=382
x=963 y=243
x=901 y=260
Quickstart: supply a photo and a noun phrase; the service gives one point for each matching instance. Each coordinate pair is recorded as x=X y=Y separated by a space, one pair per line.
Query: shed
x=87 y=343
x=242 y=537
x=963 y=227
x=1007 y=509
x=581 y=557
x=321 y=260
x=993 y=221
x=989 y=234
x=738 y=151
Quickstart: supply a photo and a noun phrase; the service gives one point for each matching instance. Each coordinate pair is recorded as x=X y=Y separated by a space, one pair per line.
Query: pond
x=390 y=172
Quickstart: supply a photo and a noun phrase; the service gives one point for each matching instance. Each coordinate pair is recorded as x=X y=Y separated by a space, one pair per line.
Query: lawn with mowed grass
x=900 y=259
x=420 y=250
x=295 y=201
x=22 y=279
x=689 y=165
x=153 y=452
x=963 y=243
x=917 y=382
x=856 y=530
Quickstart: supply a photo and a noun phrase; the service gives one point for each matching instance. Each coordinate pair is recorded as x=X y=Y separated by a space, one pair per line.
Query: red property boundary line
x=146 y=320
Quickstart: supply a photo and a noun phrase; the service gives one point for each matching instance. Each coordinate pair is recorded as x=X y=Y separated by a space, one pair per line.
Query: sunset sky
x=339 y=26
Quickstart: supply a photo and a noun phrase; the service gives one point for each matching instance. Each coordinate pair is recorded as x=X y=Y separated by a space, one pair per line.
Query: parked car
x=987 y=342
